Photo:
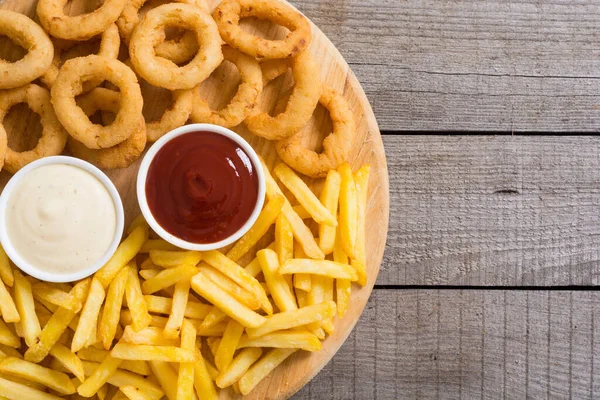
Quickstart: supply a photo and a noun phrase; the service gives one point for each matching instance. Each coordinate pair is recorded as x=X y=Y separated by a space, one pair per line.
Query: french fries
x=224 y=301
x=262 y=368
x=136 y=333
x=348 y=210
x=26 y=308
x=54 y=380
x=265 y=219
x=112 y=309
x=304 y=195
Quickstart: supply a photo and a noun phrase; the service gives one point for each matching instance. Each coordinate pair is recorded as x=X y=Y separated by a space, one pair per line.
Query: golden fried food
x=162 y=72
x=336 y=146
x=228 y=15
x=245 y=98
x=69 y=83
x=300 y=106
x=80 y=27
x=54 y=137
x=29 y=35
x=121 y=155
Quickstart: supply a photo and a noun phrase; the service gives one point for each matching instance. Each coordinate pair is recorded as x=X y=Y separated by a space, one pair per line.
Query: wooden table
x=489 y=111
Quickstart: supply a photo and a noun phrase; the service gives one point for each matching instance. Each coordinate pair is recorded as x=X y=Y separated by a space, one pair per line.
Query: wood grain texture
x=490 y=65
x=493 y=210
x=367 y=148
x=471 y=344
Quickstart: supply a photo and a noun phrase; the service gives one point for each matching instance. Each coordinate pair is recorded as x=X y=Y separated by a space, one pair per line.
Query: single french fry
x=301 y=211
x=241 y=294
x=17 y=391
x=185 y=379
x=135 y=300
x=157 y=244
x=329 y=198
x=112 y=309
x=100 y=376
x=56 y=326
x=265 y=219
x=8 y=309
x=126 y=251
x=163 y=305
x=233 y=271
x=213 y=318
x=283 y=339
x=6 y=273
x=55 y=296
x=238 y=367
x=203 y=382
x=170 y=259
x=348 y=210
x=23 y=297
x=54 y=380
x=138 y=221
x=284 y=239
x=327 y=268
x=262 y=368
x=292 y=319
x=150 y=336
x=128 y=351
x=227 y=303
x=125 y=378
x=134 y=393
x=166 y=377
x=168 y=277
x=69 y=360
x=362 y=190
x=89 y=316
x=98 y=355
x=301 y=232
x=149 y=273
x=180 y=300
x=228 y=344
x=304 y=195
x=327 y=283
x=343 y=287
x=279 y=288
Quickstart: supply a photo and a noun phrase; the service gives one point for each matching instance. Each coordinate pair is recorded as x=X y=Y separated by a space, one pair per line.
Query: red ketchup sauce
x=201 y=187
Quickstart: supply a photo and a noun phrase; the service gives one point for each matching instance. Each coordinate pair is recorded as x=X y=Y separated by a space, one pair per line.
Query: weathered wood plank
x=471 y=344
x=471 y=65
x=493 y=210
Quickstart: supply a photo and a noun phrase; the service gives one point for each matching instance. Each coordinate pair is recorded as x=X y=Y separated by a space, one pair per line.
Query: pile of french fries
x=157 y=321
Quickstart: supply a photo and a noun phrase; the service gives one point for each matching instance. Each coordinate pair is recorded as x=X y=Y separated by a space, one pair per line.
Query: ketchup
x=201 y=187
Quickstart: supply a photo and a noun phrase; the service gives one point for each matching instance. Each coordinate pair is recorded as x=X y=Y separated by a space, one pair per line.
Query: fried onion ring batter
x=53 y=139
x=245 y=98
x=336 y=146
x=29 y=35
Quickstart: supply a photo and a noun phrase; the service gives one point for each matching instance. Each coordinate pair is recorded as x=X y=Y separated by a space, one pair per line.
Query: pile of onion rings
x=82 y=85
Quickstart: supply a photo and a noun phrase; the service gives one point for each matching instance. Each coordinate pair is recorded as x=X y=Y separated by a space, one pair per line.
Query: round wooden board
x=295 y=372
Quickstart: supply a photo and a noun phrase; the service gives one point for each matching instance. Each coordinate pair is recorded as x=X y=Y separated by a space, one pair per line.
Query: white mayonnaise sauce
x=61 y=218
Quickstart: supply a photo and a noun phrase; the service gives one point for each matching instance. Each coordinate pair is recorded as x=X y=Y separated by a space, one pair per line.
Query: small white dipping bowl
x=45 y=275
x=143 y=173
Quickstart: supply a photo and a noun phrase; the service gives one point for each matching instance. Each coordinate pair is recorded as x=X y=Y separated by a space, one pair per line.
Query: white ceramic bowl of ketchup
x=143 y=175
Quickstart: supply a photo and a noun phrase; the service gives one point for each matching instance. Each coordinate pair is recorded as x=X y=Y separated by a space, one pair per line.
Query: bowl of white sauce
x=61 y=219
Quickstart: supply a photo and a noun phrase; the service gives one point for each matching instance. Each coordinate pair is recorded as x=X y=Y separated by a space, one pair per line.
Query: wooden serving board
x=367 y=148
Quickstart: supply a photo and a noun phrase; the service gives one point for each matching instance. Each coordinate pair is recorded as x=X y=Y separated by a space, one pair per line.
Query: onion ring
x=336 y=146
x=245 y=98
x=120 y=156
x=161 y=72
x=80 y=27
x=109 y=47
x=68 y=84
x=29 y=35
x=228 y=15
x=302 y=103
x=272 y=69
x=179 y=50
x=53 y=139
x=174 y=117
